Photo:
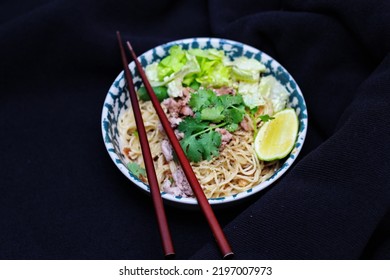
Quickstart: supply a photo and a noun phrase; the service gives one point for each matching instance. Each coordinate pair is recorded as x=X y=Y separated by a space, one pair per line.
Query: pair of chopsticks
x=150 y=171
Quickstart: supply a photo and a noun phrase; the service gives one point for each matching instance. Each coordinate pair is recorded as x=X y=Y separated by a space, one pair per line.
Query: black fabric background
x=61 y=197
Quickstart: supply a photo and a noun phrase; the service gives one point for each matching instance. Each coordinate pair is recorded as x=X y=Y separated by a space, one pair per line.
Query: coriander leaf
x=212 y=97
x=253 y=111
x=192 y=148
x=210 y=142
x=266 y=118
x=231 y=127
x=136 y=169
x=234 y=114
x=213 y=114
x=199 y=100
x=203 y=98
x=190 y=125
x=228 y=100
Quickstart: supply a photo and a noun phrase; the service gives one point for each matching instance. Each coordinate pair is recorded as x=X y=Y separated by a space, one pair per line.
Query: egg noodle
x=234 y=170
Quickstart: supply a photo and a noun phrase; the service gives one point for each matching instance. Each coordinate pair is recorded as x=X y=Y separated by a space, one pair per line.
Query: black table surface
x=61 y=196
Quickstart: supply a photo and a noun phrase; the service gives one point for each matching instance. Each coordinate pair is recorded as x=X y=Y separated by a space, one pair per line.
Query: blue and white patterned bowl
x=117 y=100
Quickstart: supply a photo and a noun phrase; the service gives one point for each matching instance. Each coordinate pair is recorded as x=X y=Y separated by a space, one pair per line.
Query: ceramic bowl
x=117 y=100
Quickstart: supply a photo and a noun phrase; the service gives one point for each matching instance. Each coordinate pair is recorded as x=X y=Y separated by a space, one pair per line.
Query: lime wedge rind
x=276 y=138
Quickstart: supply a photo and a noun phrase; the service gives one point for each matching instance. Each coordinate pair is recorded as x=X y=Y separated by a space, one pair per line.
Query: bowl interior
x=117 y=101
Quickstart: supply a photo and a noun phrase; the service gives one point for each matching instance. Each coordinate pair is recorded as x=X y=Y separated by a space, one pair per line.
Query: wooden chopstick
x=165 y=234
x=193 y=181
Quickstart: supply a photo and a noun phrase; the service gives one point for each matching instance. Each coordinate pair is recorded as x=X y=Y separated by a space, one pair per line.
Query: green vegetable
x=231 y=127
x=192 y=67
x=253 y=113
x=175 y=88
x=207 y=68
x=215 y=108
x=171 y=63
x=191 y=126
x=214 y=74
x=195 y=85
x=213 y=114
x=247 y=69
x=271 y=89
x=136 y=169
x=201 y=69
x=201 y=141
x=173 y=71
x=235 y=114
x=161 y=93
x=251 y=94
x=192 y=148
x=201 y=99
x=213 y=71
x=266 y=118
x=175 y=81
x=228 y=100
x=210 y=142
x=210 y=54
x=203 y=147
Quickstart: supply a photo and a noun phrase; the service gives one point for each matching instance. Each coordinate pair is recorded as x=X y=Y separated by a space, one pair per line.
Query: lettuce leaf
x=247 y=69
x=213 y=71
x=175 y=86
x=273 y=90
x=214 y=74
x=172 y=70
x=211 y=68
x=251 y=94
x=171 y=63
x=136 y=169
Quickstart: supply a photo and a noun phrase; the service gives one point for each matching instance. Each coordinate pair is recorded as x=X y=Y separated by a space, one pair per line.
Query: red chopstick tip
x=129 y=45
x=170 y=256
x=119 y=38
x=228 y=256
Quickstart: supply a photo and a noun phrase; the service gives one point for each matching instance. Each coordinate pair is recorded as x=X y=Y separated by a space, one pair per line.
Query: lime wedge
x=276 y=138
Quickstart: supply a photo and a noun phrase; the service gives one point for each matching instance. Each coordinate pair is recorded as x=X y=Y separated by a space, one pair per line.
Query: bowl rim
x=177 y=200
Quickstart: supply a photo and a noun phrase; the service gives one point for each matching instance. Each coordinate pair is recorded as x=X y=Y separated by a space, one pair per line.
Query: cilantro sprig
x=266 y=118
x=201 y=141
x=255 y=116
